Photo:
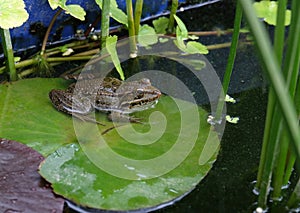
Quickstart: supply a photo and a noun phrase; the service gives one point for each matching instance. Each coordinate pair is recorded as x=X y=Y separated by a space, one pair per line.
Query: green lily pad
x=132 y=166
x=12 y=13
x=135 y=166
x=27 y=115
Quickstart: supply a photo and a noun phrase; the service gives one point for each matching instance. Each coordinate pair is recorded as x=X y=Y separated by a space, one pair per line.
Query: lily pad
x=129 y=168
x=132 y=166
x=21 y=187
x=27 y=115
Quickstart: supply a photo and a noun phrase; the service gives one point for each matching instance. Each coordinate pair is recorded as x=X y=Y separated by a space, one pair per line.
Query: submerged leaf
x=21 y=187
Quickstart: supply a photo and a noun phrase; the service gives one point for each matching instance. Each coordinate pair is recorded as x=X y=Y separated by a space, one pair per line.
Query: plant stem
x=137 y=15
x=48 y=30
x=275 y=76
x=230 y=62
x=278 y=48
x=172 y=13
x=9 y=54
x=131 y=29
x=105 y=22
x=280 y=165
x=295 y=197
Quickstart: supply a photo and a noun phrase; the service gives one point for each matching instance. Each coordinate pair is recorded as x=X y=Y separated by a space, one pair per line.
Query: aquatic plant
x=281 y=144
x=9 y=10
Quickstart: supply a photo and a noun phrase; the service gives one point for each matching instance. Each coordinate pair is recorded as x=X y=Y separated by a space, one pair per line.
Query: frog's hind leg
x=86 y=118
x=120 y=117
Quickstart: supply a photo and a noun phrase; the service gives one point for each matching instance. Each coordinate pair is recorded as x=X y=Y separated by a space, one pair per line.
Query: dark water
x=228 y=187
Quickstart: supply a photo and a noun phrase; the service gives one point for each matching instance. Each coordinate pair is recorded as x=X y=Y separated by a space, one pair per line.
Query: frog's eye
x=140 y=93
x=145 y=81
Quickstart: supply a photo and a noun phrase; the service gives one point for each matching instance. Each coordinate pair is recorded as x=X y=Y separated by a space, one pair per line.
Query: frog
x=109 y=95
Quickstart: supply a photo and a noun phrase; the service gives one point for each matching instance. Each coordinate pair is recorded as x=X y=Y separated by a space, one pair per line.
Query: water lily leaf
x=90 y=172
x=268 y=11
x=27 y=115
x=21 y=187
x=112 y=172
x=12 y=13
x=161 y=25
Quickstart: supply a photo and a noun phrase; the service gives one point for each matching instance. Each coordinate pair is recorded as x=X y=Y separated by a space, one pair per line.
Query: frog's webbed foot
x=119 y=117
x=86 y=118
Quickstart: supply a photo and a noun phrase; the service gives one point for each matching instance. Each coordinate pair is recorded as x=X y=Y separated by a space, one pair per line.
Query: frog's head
x=141 y=98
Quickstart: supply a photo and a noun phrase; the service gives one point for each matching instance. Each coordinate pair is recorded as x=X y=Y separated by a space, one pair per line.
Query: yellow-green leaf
x=268 y=11
x=12 y=13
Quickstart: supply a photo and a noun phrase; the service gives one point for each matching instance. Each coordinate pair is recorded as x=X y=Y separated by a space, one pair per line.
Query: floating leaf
x=12 y=13
x=233 y=120
x=28 y=116
x=74 y=169
x=268 y=11
x=148 y=173
x=21 y=187
x=230 y=99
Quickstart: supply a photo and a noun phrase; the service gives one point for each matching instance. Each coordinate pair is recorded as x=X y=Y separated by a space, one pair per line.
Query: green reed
x=281 y=143
x=9 y=54
x=131 y=28
x=105 y=18
x=173 y=11
x=230 y=62
x=137 y=15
